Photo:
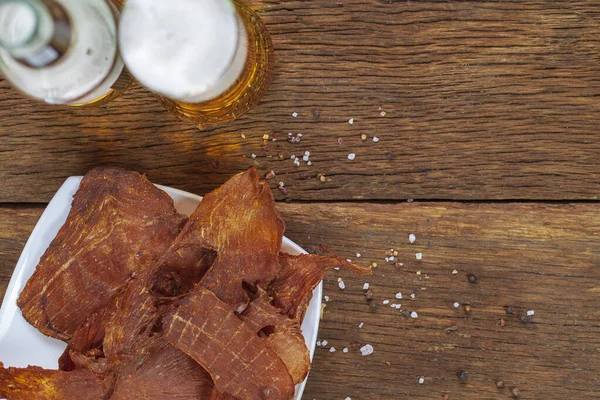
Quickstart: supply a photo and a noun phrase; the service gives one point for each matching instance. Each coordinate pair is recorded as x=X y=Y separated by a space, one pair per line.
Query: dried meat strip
x=281 y=335
x=238 y=221
x=238 y=361
x=119 y=222
x=40 y=384
x=300 y=274
x=160 y=372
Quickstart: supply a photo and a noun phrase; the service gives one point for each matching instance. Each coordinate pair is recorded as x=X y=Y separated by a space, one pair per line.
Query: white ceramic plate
x=22 y=345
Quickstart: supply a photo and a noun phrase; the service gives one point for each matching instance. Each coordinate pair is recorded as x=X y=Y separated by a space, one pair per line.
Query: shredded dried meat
x=119 y=222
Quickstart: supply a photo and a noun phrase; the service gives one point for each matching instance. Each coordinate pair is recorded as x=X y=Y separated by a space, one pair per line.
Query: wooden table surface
x=487 y=115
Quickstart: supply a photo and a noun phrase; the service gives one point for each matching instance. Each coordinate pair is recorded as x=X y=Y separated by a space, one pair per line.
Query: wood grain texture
x=483 y=100
x=530 y=256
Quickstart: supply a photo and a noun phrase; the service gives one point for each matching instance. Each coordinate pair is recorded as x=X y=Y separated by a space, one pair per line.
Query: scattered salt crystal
x=297 y=162
x=347 y=398
x=454 y=272
x=357 y=255
x=281 y=184
x=336 y=268
x=307 y=153
x=387 y=259
x=349 y=260
x=351 y=121
x=410 y=200
x=361 y=325
x=399 y=295
x=375 y=139
x=324 y=343
x=342 y=285
x=309 y=163
x=383 y=113
x=456 y=304
x=419 y=256
x=421 y=381
x=294 y=114
x=412 y=295
x=345 y=350
x=366 y=286
x=386 y=302
x=351 y=156
x=319 y=343
x=332 y=350
x=305 y=157
x=253 y=155
x=414 y=314
x=299 y=135
x=326 y=298
x=396 y=306
x=366 y=350
x=412 y=238
x=530 y=313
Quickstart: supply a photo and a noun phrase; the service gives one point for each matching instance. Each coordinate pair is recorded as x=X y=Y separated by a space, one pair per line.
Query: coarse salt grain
x=375 y=139
x=456 y=304
x=454 y=272
x=253 y=155
x=412 y=238
x=386 y=302
x=336 y=268
x=383 y=113
x=309 y=163
x=399 y=295
x=345 y=350
x=530 y=313
x=349 y=260
x=414 y=314
x=324 y=343
x=332 y=350
x=421 y=381
x=294 y=114
x=342 y=285
x=366 y=350
x=396 y=306
x=305 y=157
x=357 y=255
x=326 y=298
x=351 y=156
x=297 y=162
x=419 y=256
x=412 y=295
x=361 y=325
x=347 y=398
x=351 y=121
x=281 y=184
x=366 y=286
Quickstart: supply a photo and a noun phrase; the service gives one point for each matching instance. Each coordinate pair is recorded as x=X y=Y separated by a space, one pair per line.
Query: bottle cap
x=18 y=22
x=187 y=50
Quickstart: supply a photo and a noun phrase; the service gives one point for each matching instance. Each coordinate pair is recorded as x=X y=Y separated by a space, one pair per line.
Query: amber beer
x=233 y=63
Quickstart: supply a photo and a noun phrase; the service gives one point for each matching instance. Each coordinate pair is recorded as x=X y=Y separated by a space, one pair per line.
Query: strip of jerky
x=292 y=290
x=40 y=384
x=239 y=362
x=239 y=222
x=159 y=372
x=119 y=223
x=281 y=335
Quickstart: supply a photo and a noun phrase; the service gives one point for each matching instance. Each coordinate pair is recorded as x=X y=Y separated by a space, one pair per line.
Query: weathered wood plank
x=530 y=256
x=484 y=100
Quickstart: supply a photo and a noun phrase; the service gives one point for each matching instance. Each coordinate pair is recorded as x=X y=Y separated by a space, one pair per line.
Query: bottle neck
x=37 y=33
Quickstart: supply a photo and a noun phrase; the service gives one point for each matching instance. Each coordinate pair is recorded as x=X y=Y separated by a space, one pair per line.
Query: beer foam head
x=182 y=49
